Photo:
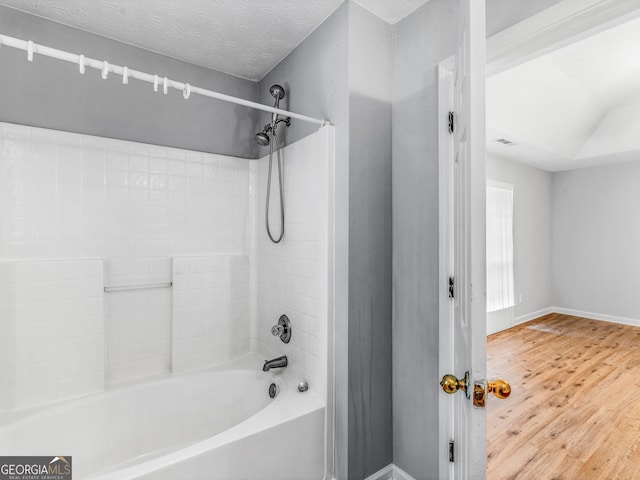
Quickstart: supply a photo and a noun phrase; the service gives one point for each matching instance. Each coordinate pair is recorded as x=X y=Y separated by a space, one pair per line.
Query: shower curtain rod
x=157 y=81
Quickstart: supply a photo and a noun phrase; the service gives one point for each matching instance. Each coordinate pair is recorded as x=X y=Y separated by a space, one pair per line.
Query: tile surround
x=65 y=195
x=210 y=310
x=286 y=278
x=157 y=214
x=138 y=334
x=51 y=330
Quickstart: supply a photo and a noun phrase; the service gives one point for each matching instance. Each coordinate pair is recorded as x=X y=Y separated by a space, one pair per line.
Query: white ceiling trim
x=567 y=22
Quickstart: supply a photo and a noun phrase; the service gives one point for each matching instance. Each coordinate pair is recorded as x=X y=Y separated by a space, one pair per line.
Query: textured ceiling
x=241 y=37
x=575 y=107
x=246 y=38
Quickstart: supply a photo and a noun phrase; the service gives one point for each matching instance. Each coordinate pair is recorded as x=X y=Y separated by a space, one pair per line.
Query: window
x=500 y=294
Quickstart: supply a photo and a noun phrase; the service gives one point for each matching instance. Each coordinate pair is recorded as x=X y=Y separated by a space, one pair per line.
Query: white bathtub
x=213 y=424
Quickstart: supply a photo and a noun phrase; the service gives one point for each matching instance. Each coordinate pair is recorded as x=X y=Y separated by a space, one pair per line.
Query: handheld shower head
x=262 y=139
x=277 y=91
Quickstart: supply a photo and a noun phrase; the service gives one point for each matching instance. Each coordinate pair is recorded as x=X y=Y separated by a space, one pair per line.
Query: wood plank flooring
x=574 y=411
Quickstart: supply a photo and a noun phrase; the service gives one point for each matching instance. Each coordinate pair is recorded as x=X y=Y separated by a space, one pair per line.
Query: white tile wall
x=51 y=330
x=65 y=195
x=290 y=277
x=210 y=310
x=138 y=334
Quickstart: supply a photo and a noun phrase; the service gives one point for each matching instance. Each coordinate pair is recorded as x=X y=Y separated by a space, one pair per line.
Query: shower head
x=262 y=139
x=277 y=92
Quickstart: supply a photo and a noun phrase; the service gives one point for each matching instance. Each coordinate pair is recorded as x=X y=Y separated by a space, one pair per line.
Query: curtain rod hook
x=81 y=64
x=155 y=83
x=125 y=75
x=30 y=51
x=186 y=92
x=105 y=70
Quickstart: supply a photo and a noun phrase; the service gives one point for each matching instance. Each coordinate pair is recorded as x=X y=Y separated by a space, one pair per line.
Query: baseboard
x=598 y=316
x=390 y=472
x=399 y=474
x=533 y=315
x=577 y=313
x=385 y=473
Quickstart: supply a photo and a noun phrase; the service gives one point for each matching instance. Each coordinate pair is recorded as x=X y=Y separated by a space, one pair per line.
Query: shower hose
x=276 y=144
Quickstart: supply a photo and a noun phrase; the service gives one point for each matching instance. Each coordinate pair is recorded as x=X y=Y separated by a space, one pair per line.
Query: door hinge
x=452 y=122
x=451 y=288
x=451 y=451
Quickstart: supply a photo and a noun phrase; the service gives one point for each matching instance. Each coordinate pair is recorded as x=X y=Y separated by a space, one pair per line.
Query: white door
x=464 y=326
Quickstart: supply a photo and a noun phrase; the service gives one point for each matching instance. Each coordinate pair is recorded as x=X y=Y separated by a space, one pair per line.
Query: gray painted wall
x=596 y=233
x=52 y=94
x=342 y=72
x=532 y=219
x=421 y=41
x=370 y=248
x=575 y=237
x=316 y=78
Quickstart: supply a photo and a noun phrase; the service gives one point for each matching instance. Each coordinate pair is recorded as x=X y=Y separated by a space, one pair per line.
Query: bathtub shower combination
x=213 y=424
x=151 y=326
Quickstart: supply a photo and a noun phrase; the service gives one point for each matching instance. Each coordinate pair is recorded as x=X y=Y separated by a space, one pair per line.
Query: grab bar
x=142 y=286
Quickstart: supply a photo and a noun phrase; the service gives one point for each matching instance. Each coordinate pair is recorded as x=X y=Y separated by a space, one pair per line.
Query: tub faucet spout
x=279 y=362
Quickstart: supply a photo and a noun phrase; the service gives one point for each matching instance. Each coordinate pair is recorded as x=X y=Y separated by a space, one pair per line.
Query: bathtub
x=212 y=424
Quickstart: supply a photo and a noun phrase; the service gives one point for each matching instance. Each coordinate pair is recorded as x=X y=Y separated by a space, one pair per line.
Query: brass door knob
x=451 y=384
x=500 y=388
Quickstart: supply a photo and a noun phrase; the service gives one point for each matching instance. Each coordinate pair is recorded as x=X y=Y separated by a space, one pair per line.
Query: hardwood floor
x=574 y=411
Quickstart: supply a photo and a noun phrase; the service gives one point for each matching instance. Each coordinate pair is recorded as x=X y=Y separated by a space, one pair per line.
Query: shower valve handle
x=282 y=329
